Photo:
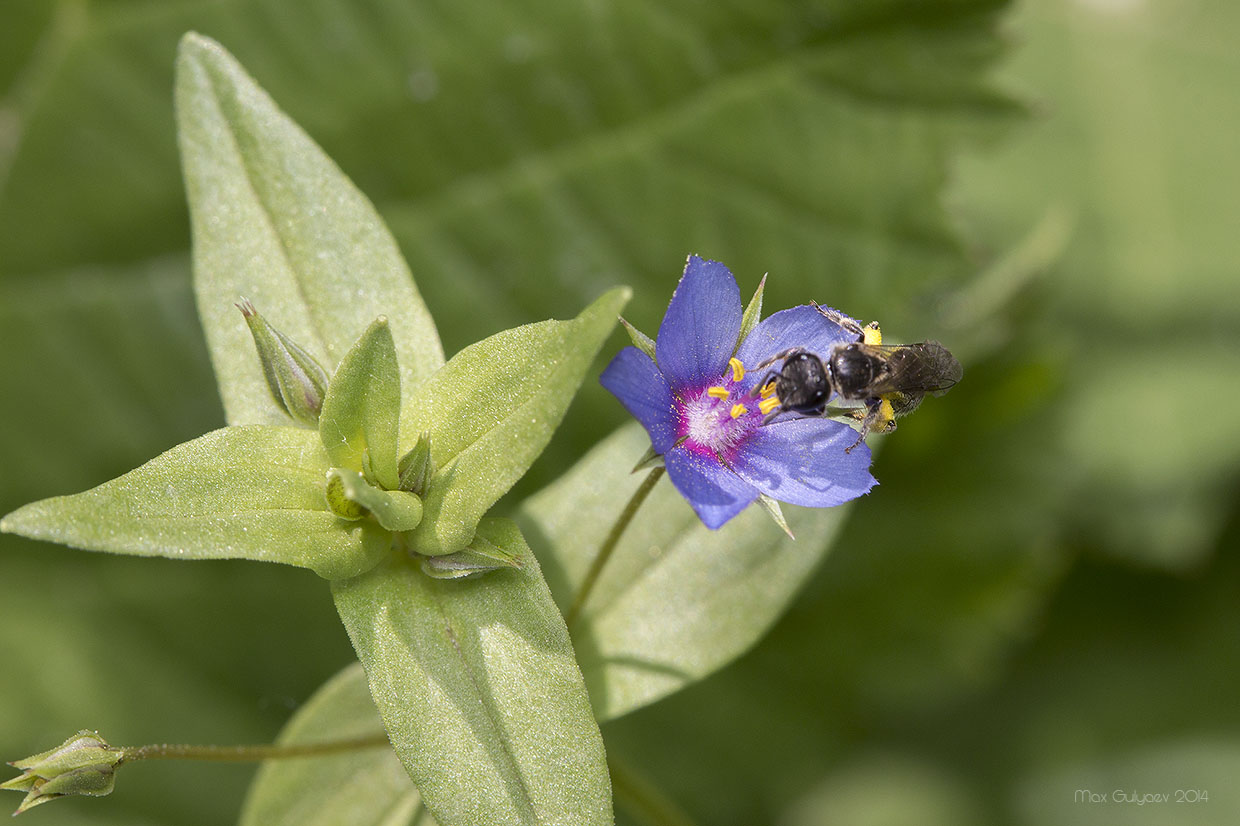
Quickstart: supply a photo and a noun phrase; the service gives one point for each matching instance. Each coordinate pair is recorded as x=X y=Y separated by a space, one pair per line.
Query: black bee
x=889 y=380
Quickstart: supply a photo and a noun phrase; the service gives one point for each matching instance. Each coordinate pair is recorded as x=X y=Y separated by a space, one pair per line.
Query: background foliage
x=1039 y=597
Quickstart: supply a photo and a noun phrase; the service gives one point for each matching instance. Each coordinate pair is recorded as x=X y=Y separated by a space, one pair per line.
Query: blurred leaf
x=1183 y=781
x=128 y=344
x=251 y=492
x=492 y=409
x=277 y=222
x=479 y=690
x=363 y=788
x=1143 y=304
x=677 y=601
x=361 y=411
x=886 y=790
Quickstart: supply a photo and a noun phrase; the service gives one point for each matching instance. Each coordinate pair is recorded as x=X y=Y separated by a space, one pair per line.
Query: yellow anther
x=738 y=369
x=768 y=404
x=739 y=410
x=717 y=392
x=768 y=391
x=871 y=334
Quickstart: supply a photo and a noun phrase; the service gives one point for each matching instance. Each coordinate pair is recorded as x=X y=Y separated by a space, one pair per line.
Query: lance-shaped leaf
x=492 y=409
x=275 y=220
x=253 y=492
x=677 y=601
x=368 y=787
x=362 y=409
x=479 y=690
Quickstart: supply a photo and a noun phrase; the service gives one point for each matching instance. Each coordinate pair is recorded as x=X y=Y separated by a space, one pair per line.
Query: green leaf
x=492 y=409
x=677 y=601
x=275 y=220
x=477 y=685
x=361 y=411
x=368 y=787
x=251 y=492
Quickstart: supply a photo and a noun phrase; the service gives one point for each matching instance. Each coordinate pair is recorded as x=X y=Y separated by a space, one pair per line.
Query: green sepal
x=350 y=496
x=773 y=510
x=752 y=314
x=246 y=492
x=649 y=460
x=83 y=764
x=361 y=413
x=295 y=378
x=640 y=340
x=480 y=557
x=490 y=412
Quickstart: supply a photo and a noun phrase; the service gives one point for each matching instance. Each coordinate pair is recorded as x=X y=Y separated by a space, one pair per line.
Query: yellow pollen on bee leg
x=768 y=391
x=886 y=415
x=739 y=410
x=738 y=369
x=768 y=404
x=872 y=334
x=717 y=392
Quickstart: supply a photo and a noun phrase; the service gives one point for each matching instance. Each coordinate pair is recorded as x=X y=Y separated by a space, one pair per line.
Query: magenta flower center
x=716 y=421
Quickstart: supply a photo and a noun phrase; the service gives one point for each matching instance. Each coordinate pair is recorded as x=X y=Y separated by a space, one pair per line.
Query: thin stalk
x=609 y=544
x=247 y=754
x=647 y=803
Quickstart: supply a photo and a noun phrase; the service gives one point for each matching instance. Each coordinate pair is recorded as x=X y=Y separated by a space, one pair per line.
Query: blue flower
x=708 y=416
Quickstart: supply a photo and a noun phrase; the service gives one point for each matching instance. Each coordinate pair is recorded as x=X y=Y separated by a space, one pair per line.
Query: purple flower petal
x=802 y=462
x=802 y=327
x=700 y=327
x=633 y=379
x=716 y=493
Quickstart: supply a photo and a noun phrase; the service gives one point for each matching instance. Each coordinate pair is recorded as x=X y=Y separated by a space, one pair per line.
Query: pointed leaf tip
x=274 y=219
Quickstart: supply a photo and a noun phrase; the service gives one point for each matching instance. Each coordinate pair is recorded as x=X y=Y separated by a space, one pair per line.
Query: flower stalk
x=609 y=544
x=86 y=764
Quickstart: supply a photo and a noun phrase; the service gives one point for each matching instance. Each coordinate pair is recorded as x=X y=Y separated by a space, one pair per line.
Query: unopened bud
x=480 y=557
x=296 y=379
x=416 y=467
x=83 y=764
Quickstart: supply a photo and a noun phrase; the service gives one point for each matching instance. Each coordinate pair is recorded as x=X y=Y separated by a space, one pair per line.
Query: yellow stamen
x=768 y=404
x=768 y=391
x=872 y=334
x=717 y=392
x=738 y=369
x=739 y=410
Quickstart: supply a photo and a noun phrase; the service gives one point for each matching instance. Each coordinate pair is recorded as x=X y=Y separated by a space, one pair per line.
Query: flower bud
x=83 y=764
x=480 y=557
x=416 y=467
x=297 y=381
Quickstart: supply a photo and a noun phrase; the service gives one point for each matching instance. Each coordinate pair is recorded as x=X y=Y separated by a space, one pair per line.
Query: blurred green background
x=1039 y=599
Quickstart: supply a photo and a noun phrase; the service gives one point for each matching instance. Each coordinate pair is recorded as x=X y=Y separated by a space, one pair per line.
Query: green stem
x=609 y=544
x=246 y=754
x=642 y=799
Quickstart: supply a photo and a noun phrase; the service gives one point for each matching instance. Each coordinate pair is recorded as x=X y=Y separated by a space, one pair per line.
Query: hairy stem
x=609 y=544
x=245 y=754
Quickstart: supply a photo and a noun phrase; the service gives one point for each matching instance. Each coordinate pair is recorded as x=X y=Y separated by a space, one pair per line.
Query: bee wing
x=925 y=367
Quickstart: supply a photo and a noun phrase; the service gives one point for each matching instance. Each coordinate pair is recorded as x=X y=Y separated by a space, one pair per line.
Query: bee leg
x=879 y=418
x=780 y=356
x=836 y=317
